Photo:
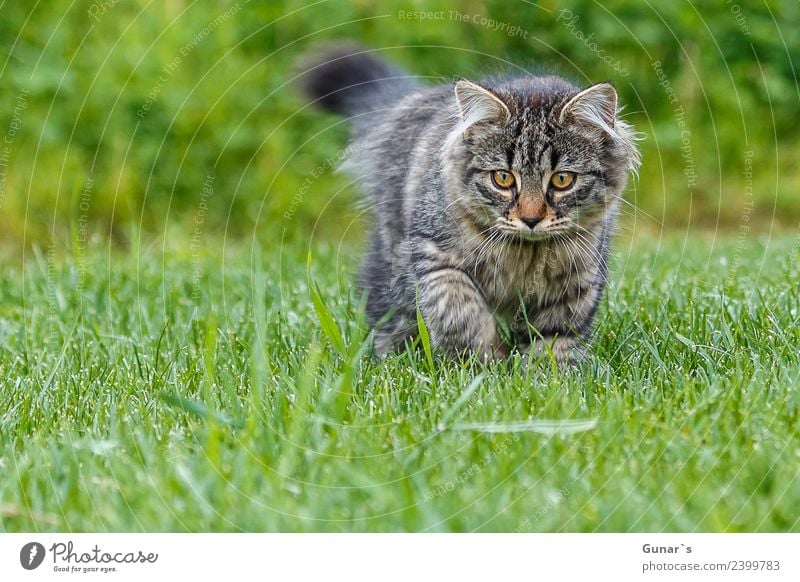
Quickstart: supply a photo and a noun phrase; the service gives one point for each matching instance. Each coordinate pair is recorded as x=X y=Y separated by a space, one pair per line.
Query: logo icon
x=31 y=555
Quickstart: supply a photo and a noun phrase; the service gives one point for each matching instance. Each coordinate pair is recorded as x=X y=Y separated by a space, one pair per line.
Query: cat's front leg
x=559 y=328
x=456 y=314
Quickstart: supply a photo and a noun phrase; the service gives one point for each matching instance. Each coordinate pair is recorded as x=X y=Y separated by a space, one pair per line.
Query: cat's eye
x=562 y=180
x=503 y=179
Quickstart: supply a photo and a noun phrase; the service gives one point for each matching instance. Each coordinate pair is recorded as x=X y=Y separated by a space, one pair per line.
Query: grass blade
x=198 y=409
x=458 y=404
x=548 y=427
x=425 y=338
x=327 y=322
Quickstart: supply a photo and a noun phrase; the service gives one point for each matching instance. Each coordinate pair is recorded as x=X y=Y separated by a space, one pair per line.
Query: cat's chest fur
x=534 y=273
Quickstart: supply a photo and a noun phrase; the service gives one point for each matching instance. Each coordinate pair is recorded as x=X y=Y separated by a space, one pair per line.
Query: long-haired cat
x=490 y=200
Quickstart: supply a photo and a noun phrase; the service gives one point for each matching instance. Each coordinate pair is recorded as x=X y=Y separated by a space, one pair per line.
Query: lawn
x=152 y=388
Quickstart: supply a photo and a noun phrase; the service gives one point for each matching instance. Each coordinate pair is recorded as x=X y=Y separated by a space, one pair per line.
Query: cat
x=493 y=203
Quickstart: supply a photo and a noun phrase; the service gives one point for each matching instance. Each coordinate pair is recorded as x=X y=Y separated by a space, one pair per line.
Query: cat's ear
x=596 y=106
x=477 y=104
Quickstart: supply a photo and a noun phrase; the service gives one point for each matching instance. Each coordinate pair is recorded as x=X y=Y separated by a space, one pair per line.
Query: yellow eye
x=503 y=179
x=562 y=180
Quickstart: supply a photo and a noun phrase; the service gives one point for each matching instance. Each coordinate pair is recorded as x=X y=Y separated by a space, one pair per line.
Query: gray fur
x=446 y=239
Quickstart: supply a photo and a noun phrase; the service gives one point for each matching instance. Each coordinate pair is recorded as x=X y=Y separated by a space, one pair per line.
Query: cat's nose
x=531 y=221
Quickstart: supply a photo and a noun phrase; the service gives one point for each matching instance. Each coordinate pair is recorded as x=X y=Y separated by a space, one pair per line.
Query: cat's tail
x=347 y=79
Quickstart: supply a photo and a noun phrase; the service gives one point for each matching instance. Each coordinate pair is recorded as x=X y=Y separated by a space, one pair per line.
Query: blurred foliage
x=117 y=112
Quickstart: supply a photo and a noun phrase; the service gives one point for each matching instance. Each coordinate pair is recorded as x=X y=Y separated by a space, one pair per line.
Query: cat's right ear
x=595 y=106
x=477 y=104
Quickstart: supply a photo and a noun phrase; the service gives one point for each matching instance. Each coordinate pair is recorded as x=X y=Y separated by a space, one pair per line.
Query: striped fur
x=445 y=238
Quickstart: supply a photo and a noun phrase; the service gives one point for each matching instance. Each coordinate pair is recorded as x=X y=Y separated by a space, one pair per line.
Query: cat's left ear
x=477 y=104
x=595 y=106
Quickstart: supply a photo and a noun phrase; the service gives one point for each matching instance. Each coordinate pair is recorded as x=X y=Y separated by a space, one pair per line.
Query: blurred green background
x=178 y=117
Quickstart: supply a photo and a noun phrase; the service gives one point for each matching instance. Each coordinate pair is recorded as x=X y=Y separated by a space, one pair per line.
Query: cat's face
x=539 y=158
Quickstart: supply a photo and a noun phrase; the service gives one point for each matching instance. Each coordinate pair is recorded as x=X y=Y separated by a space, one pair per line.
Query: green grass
x=130 y=403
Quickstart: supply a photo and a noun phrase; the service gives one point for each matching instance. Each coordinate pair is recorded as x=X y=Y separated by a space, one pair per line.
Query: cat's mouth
x=525 y=234
x=542 y=230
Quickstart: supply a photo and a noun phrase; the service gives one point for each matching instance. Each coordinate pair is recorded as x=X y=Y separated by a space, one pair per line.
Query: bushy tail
x=347 y=79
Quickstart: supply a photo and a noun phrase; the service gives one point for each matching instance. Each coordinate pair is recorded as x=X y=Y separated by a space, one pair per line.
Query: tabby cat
x=491 y=201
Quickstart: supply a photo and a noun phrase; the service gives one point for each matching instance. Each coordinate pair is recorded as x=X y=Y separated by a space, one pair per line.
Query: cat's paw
x=497 y=351
x=567 y=351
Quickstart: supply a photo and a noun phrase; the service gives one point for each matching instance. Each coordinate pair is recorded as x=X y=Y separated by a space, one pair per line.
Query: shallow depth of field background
x=147 y=100
x=181 y=345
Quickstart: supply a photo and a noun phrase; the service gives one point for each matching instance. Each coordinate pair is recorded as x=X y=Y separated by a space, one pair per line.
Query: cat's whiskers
x=494 y=241
x=636 y=209
x=480 y=249
x=563 y=240
x=589 y=250
x=459 y=198
x=479 y=235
